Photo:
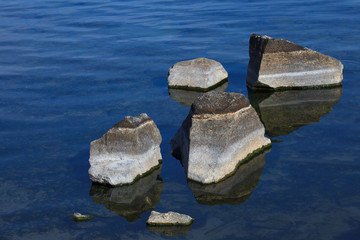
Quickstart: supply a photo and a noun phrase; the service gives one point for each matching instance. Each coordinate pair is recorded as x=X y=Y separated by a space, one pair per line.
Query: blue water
x=70 y=70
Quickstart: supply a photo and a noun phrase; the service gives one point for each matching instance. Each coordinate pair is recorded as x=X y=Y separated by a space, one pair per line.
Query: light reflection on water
x=69 y=70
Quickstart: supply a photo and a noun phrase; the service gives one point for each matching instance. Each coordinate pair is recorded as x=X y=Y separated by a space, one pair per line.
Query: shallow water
x=70 y=70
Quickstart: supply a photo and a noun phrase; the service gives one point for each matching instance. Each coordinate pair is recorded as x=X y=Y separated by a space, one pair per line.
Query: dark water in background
x=70 y=70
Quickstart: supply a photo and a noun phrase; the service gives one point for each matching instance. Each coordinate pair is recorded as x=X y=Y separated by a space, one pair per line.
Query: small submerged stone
x=220 y=131
x=169 y=219
x=78 y=217
x=126 y=152
x=201 y=74
x=279 y=63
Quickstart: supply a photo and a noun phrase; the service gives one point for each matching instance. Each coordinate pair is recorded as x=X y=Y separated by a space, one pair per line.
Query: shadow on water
x=187 y=97
x=234 y=190
x=130 y=201
x=284 y=112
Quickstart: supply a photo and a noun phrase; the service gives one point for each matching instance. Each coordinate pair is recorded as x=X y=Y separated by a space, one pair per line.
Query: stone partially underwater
x=126 y=152
x=220 y=131
x=130 y=201
x=286 y=111
x=280 y=64
x=234 y=190
x=187 y=97
x=200 y=74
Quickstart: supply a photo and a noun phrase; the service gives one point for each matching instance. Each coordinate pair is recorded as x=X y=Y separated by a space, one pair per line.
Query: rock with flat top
x=279 y=63
x=201 y=74
x=220 y=131
x=126 y=152
x=169 y=219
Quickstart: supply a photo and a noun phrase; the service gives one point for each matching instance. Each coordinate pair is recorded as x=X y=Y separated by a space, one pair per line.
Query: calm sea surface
x=70 y=70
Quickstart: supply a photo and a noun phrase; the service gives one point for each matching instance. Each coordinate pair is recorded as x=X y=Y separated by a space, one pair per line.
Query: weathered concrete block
x=220 y=131
x=169 y=219
x=201 y=74
x=126 y=152
x=278 y=63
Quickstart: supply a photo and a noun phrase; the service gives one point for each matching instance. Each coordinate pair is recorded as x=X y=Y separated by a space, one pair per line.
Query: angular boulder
x=200 y=74
x=220 y=131
x=127 y=151
x=169 y=219
x=278 y=63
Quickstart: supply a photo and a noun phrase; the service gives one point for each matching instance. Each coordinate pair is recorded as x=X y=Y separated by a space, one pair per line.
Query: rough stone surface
x=130 y=201
x=186 y=97
x=197 y=74
x=220 y=131
x=278 y=63
x=286 y=111
x=234 y=190
x=127 y=151
x=169 y=218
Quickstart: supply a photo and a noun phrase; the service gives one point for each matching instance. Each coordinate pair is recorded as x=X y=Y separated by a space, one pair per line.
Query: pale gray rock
x=187 y=97
x=127 y=151
x=200 y=74
x=169 y=218
x=278 y=63
x=220 y=131
x=283 y=112
x=130 y=201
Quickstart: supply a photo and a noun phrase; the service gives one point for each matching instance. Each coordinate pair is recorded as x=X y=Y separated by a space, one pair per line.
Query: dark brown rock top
x=272 y=45
x=219 y=103
x=133 y=122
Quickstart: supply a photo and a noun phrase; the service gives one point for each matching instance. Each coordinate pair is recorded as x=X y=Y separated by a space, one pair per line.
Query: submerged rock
x=286 y=111
x=127 y=151
x=278 y=63
x=169 y=219
x=234 y=190
x=201 y=74
x=78 y=217
x=186 y=97
x=220 y=131
x=130 y=201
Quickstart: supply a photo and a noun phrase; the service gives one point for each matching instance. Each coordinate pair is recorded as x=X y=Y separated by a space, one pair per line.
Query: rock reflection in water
x=170 y=230
x=286 y=111
x=234 y=190
x=187 y=97
x=130 y=201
